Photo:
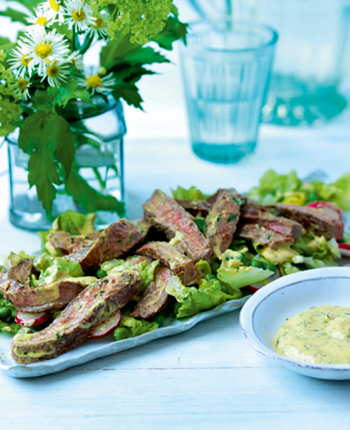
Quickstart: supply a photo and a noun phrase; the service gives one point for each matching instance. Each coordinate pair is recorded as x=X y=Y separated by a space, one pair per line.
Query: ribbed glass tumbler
x=226 y=67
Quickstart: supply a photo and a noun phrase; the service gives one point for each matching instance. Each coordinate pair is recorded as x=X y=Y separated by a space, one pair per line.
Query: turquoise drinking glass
x=226 y=68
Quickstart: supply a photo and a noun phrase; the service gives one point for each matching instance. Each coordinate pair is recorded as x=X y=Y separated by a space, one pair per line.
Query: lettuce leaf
x=75 y=223
x=8 y=326
x=135 y=327
x=204 y=267
x=145 y=270
x=192 y=193
x=317 y=248
x=53 y=269
x=242 y=276
x=193 y=300
x=288 y=188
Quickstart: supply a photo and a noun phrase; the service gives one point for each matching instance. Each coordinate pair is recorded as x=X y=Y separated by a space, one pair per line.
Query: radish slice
x=107 y=327
x=255 y=287
x=328 y=208
x=31 y=320
x=344 y=249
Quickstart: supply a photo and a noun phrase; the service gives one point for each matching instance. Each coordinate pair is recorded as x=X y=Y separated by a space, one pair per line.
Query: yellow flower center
x=43 y=50
x=78 y=15
x=25 y=60
x=94 y=81
x=53 y=71
x=98 y=23
x=54 y=5
x=41 y=21
x=22 y=84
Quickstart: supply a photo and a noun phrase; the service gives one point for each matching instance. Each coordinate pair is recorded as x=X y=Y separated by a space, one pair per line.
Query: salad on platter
x=190 y=253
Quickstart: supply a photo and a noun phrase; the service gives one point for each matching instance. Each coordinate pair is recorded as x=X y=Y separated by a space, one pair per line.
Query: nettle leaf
x=145 y=56
x=49 y=141
x=90 y=199
x=129 y=92
x=15 y=15
x=52 y=96
x=173 y=30
x=116 y=50
x=70 y=90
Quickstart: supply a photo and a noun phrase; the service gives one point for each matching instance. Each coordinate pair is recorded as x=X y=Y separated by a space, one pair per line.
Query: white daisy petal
x=96 y=83
x=76 y=59
x=78 y=15
x=45 y=48
x=56 y=73
x=21 y=61
x=20 y=86
x=54 y=10
x=39 y=20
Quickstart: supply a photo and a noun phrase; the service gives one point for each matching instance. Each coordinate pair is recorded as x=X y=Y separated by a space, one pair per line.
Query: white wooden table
x=209 y=377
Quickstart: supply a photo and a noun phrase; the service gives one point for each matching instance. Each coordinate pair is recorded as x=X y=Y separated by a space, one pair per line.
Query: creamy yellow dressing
x=320 y=334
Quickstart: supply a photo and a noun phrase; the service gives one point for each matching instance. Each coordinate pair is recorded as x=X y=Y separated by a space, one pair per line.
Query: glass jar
x=99 y=133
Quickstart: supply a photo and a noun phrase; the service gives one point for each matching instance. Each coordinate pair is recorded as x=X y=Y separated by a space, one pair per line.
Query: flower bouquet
x=44 y=81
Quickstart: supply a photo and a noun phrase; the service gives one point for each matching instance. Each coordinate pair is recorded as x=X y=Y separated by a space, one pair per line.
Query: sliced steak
x=155 y=298
x=44 y=297
x=17 y=270
x=181 y=265
x=68 y=244
x=195 y=206
x=92 y=307
x=221 y=223
x=262 y=235
x=319 y=223
x=284 y=226
x=166 y=214
x=115 y=241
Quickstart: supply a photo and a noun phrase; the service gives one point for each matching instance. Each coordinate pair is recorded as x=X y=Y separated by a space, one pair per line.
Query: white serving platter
x=97 y=348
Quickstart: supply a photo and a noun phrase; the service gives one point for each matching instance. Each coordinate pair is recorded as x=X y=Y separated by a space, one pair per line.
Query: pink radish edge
x=27 y=319
x=328 y=208
x=255 y=287
x=106 y=328
x=344 y=249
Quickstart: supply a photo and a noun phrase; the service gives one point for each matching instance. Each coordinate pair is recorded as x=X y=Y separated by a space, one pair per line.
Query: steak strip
x=16 y=272
x=166 y=214
x=68 y=244
x=115 y=241
x=155 y=298
x=178 y=263
x=92 y=307
x=195 y=206
x=44 y=297
x=319 y=223
x=262 y=235
x=221 y=223
x=285 y=227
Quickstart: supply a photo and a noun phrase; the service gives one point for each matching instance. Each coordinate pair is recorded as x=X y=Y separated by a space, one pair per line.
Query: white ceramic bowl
x=268 y=308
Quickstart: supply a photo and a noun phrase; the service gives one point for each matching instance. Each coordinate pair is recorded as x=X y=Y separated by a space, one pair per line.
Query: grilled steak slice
x=262 y=235
x=166 y=214
x=181 y=265
x=221 y=223
x=115 y=241
x=68 y=244
x=285 y=227
x=45 y=297
x=319 y=223
x=92 y=307
x=155 y=298
x=16 y=272
x=195 y=206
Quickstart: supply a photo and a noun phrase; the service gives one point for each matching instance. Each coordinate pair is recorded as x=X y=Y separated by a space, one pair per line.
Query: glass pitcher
x=309 y=60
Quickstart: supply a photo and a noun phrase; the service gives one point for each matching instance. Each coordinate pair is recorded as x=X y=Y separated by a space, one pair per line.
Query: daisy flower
x=22 y=61
x=45 y=48
x=99 y=27
x=79 y=15
x=20 y=87
x=76 y=59
x=53 y=10
x=40 y=20
x=97 y=83
x=56 y=73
